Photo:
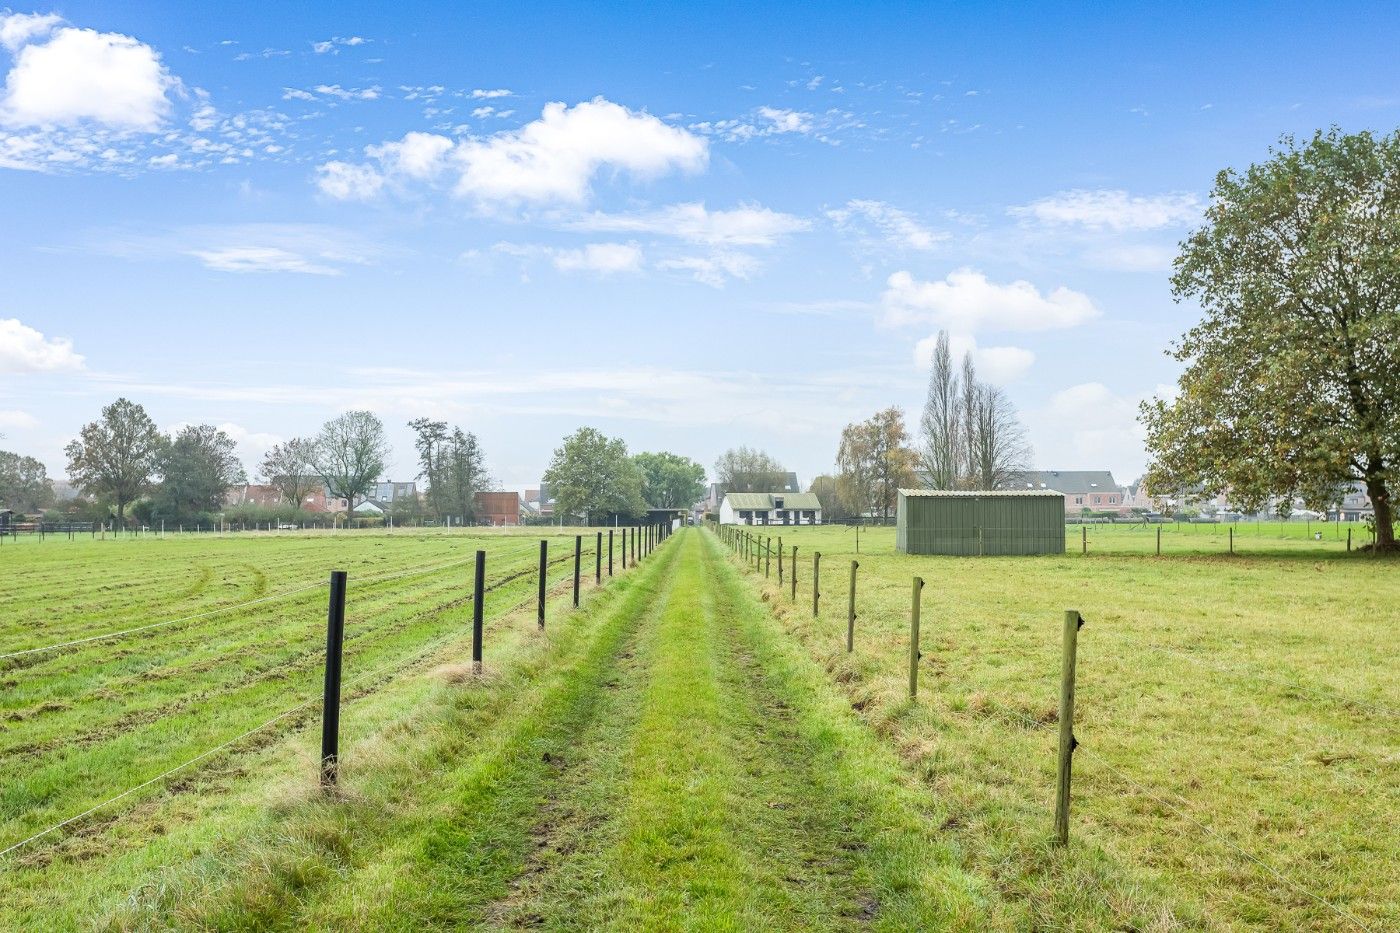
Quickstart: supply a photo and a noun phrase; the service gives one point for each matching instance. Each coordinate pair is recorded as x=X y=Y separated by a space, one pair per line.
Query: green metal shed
x=935 y=521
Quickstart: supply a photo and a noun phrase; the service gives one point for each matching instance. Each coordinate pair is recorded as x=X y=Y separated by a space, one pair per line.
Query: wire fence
x=572 y=558
x=754 y=552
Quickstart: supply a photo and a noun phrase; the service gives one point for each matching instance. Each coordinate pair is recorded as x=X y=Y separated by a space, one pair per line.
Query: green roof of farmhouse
x=764 y=500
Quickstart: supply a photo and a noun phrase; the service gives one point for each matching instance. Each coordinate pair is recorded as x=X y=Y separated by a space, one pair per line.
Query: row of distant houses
x=493 y=508
x=1086 y=493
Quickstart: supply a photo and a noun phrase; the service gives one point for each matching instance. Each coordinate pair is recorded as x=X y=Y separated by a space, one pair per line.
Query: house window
x=1079 y=500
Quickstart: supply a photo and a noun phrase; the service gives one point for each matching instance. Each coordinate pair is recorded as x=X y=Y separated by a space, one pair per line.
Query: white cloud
x=554 y=158
x=602 y=258
x=81 y=75
x=348 y=93
x=417 y=155
x=25 y=350
x=14 y=419
x=787 y=121
x=967 y=303
x=480 y=94
x=715 y=269
x=1089 y=426
x=260 y=259
x=294 y=93
x=1112 y=209
x=16 y=29
x=746 y=225
x=998 y=365
x=346 y=182
x=896 y=227
x=334 y=44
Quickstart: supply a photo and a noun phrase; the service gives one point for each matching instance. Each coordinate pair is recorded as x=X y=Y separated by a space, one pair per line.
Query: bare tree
x=742 y=469
x=998 y=449
x=351 y=454
x=290 y=466
x=940 y=423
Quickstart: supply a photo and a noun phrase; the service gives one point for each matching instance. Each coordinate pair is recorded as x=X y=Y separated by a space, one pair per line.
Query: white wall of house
x=728 y=515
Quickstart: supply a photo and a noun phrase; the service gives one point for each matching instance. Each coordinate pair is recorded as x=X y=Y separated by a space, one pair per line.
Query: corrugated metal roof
x=764 y=500
x=979 y=493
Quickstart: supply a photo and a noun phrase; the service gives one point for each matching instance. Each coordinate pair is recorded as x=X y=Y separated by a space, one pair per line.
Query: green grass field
x=693 y=749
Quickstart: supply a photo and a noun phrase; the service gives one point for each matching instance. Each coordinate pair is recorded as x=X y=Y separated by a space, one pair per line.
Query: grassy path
x=722 y=786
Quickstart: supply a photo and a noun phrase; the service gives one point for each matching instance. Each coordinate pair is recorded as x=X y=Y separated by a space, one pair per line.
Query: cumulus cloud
x=966 y=302
x=746 y=225
x=1112 y=209
x=895 y=227
x=25 y=350
x=602 y=258
x=80 y=75
x=18 y=28
x=417 y=155
x=553 y=158
x=346 y=182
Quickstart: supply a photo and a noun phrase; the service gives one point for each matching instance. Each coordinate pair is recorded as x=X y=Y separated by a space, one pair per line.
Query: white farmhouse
x=770 y=508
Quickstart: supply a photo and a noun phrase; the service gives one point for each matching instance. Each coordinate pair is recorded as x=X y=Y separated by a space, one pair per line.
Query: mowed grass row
x=82 y=724
x=1255 y=695
x=246 y=837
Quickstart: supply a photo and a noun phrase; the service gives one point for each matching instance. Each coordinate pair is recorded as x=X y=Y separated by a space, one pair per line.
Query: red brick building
x=498 y=508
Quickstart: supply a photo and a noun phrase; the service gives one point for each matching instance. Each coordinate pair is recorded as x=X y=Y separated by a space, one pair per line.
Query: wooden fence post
x=478 y=597
x=1348 y=540
x=768 y=557
x=851 y=611
x=330 y=702
x=816 y=581
x=1084 y=533
x=1232 y=539
x=914 y=653
x=1159 y=540
x=1073 y=622
x=780 y=560
x=578 y=549
x=544 y=567
x=793 y=568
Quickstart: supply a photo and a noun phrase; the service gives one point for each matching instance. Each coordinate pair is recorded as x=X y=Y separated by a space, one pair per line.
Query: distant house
x=714 y=494
x=770 y=508
x=1355 y=505
x=260 y=495
x=1094 y=490
x=498 y=508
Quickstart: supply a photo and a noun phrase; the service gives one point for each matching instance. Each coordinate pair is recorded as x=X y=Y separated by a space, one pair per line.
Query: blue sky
x=693 y=228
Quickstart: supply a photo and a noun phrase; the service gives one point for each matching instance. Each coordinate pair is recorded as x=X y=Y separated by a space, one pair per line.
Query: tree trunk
x=1385 y=513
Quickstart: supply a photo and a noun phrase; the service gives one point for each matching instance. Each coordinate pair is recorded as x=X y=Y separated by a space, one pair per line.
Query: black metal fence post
x=598 y=561
x=851 y=611
x=544 y=568
x=610 y=552
x=1073 y=622
x=330 y=703
x=478 y=597
x=578 y=552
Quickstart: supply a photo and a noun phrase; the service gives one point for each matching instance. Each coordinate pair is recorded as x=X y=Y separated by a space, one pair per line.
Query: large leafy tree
x=828 y=492
x=743 y=469
x=874 y=461
x=670 y=481
x=1292 y=381
x=24 y=483
x=429 y=439
x=351 y=454
x=290 y=466
x=591 y=476
x=462 y=474
x=196 y=467
x=115 y=456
